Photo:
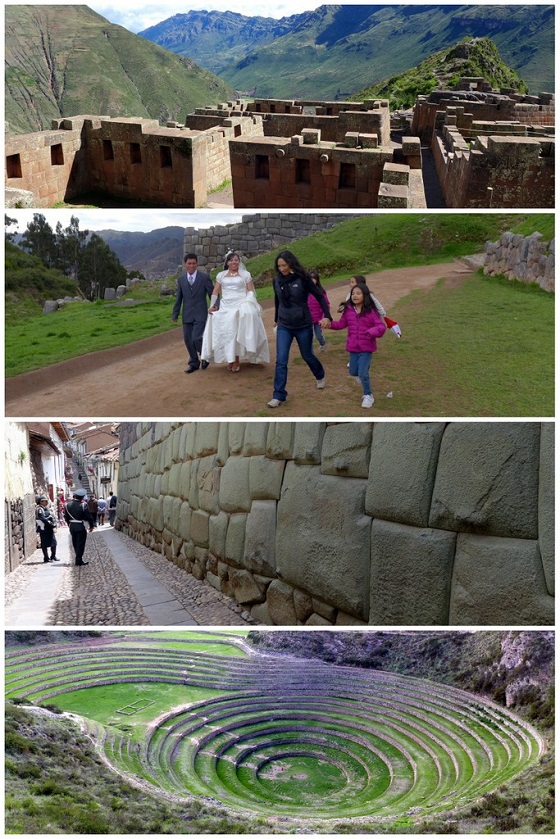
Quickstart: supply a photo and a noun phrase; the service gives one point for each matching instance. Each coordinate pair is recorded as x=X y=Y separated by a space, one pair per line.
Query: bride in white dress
x=234 y=332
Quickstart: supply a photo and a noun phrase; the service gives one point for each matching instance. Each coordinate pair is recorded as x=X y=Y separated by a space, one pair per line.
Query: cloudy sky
x=139 y=220
x=137 y=16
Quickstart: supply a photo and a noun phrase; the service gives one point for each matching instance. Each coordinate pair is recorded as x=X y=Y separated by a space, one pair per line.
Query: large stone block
x=200 y=528
x=234 y=485
x=236 y=437
x=208 y=478
x=346 y=449
x=411 y=570
x=255 y=438
x=487 y=479
x=235 y=538
x=308 y=442
x=173 y=480
x=280 y=604
x=260 y=538
x=206 y=439
x=323 y=537
x=245 y=588
x=217 y=530
x=280 y=440
x=499 y=582
x=265 y=477
x=402 y=471
x=546 y=503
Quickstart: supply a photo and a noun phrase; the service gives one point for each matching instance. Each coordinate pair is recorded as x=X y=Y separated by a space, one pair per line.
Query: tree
x=99 y=268
x=70 y=243
x=8 y=222
x=39 y=240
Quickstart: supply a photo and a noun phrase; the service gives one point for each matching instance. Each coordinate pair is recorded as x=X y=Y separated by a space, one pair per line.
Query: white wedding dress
x=236 y=329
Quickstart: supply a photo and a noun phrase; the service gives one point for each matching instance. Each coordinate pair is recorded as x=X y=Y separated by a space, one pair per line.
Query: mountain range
x=156 y=254
x=67 y=60
x=336 y=50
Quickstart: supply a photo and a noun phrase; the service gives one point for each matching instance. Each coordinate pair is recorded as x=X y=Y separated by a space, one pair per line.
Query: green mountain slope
x=335 y=50
x=216 y=39
x=474 y=57
x=66 y=60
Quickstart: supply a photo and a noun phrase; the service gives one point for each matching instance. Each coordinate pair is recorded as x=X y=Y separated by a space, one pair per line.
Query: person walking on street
x=46 y=524
x=292 y=286
x=77 y=516
x=193 y=289
x=93 y=507
x=101 y=507
x=112 y=508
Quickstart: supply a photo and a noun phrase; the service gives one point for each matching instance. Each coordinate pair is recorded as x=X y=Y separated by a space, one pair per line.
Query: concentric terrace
x=203 y=715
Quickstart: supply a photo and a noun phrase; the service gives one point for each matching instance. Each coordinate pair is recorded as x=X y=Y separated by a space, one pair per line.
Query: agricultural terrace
x=203 y=715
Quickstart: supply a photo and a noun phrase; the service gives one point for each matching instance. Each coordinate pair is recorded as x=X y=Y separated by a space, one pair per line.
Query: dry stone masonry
x=315 y=523
x=529 y=259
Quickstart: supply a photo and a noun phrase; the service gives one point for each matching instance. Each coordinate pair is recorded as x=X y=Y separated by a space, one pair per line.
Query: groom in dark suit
x=193 y=287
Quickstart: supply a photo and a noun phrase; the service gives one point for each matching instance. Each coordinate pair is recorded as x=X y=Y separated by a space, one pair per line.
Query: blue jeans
x=319 y=334
x=359 y=366
x=284 y=338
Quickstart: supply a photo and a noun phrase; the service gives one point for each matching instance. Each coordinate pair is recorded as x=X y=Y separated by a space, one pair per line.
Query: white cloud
x=139 y=17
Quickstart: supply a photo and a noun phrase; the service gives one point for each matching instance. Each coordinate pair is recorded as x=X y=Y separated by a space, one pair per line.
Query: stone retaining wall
x=257 y=233
x=351 y=523
x=526 y=258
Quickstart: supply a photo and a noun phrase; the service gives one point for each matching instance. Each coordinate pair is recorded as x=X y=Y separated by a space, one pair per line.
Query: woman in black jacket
x=292 y=286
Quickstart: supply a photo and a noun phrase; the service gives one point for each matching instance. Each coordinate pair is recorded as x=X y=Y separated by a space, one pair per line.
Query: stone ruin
x=491 y=149
x=335 y=524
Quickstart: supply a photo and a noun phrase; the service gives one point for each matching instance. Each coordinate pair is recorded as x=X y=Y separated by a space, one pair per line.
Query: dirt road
x=147 y=379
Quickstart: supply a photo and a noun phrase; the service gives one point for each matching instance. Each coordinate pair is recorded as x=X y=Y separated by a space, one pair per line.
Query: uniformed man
x=77 y=516
x=46 y=524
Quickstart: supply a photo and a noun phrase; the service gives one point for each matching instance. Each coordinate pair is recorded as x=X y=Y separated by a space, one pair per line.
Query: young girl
x=365 y=325
x=391 y=324
x=316 y=311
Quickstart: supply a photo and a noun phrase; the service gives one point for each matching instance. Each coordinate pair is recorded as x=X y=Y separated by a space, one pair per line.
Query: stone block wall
x=529 y=259
x=20 y=534
x=283 y=172
x=257 y=233
x=496 y=171
x=338 y=524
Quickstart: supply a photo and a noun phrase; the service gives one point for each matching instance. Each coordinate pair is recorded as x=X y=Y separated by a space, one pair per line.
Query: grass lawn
x=484 y=347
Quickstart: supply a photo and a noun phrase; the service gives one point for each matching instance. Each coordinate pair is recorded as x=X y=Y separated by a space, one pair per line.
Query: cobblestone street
x=102 y=593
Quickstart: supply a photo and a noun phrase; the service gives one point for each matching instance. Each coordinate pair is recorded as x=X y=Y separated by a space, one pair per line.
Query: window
x=165 y=157
x=135 y=153
x=13 y=166
x=108 y=153
x=303 y=171
x=57 y=155
x=262 y=166
x=347 y=177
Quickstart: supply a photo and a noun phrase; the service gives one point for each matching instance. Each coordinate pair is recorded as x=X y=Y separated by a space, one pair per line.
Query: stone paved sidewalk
x=116 y=588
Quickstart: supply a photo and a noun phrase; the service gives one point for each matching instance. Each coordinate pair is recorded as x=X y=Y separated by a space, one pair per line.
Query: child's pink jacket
x=362 y=329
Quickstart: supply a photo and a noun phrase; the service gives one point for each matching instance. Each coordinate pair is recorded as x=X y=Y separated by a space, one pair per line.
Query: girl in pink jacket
x=365 y=325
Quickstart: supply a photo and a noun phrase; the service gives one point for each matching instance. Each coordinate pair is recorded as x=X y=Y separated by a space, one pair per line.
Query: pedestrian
x=292 y=286
x=235 y=331
x=112 y=508
x=316 y=311
x=365 y=325
x=77 y=517
x=45 y=524
x=390 y=324
x=101 y=507
x=93 y=507
x=193 y=287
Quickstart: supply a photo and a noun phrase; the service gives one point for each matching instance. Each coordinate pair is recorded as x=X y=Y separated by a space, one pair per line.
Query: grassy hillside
x=443 y=69
x=68 y=60
x=29 y=283
x=343 y=48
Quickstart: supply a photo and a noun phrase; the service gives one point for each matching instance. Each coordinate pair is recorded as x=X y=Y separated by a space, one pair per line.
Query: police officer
x=46 y=523
x=76 y=515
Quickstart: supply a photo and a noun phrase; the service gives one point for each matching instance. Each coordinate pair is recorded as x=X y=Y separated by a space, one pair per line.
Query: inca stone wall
x=351 y=523
x=526 y=258
x=257 y=233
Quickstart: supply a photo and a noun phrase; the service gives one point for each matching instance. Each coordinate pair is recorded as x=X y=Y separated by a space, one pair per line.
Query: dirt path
x=147 y=379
